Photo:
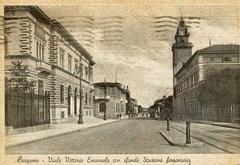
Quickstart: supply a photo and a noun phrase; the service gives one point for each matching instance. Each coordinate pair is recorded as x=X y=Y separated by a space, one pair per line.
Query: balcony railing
x=102 y=97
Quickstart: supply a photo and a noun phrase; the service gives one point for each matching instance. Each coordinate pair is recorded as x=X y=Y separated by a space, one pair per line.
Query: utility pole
x=80 y=119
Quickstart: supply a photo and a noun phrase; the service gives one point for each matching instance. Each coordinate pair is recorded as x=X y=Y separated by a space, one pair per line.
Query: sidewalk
x=220 y=124
x=176 y=138
x=56 y=130
x=220 y=137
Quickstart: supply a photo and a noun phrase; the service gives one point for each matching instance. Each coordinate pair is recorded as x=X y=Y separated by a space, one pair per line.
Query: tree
x=20 y=77
x=221 y=87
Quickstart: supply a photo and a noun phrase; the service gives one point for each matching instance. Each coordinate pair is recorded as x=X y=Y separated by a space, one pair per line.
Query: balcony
x=43 y=67
x=107 y=98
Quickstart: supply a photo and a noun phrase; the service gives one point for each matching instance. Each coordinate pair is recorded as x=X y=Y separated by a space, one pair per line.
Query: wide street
x=136 y=136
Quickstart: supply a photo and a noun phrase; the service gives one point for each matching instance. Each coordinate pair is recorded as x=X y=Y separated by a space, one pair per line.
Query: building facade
x=134 y=106
x=54 y=58
x=189 y=71
x=110 y=98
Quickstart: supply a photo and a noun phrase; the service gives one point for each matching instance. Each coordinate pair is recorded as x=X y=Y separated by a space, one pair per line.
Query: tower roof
x=182 y=29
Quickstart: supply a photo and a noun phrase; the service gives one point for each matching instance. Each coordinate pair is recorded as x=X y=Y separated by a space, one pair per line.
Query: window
x=86 y=98
x=62 y=58
x=122 y=108
x=226 y=59
x=86 y=73
x=90 y=100
x=62 y=114
x=75 y=66
x=61 y=94
x=37 y=49
x=117 y=107
x=102 y=107
x=90 y=74
x=211 y=59
x=40 y=50
x=39 y=31
x=40 y=87
x=193 y=79
x=69 y=63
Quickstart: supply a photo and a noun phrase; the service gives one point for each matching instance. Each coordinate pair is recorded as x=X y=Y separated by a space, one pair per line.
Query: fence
x=222 y=113
x=211 y=112
x=24 y=109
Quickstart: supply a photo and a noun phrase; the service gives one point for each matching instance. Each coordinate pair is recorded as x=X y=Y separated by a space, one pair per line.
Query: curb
x=60 y=134
x=227 y=126
x=214 y=124
x=167 y=138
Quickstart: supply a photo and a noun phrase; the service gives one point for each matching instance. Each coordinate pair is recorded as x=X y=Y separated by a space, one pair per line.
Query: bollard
x=188 y=135
x=168 y=128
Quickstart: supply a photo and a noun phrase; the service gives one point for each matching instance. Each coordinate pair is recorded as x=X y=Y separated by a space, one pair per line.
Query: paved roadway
x=127 y=136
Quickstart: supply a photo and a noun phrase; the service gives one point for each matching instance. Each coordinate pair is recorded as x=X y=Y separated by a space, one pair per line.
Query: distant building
x=145 y=112
x=53 y=56
x=164 y=108
x=134 y=106
x=189 y=71
x=110 y=98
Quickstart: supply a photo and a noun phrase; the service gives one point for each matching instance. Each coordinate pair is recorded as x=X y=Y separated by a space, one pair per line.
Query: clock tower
x=182 y=49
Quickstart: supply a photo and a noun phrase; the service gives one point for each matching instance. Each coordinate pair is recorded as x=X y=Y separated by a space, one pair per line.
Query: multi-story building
x=54 y=58
x=189 y=71
x=110 y=98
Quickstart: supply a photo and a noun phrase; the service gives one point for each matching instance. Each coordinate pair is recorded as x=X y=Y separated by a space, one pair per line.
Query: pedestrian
x=120 y=115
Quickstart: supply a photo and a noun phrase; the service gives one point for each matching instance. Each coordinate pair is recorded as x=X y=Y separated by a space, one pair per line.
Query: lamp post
x=188 y=134
x=80 y=119
x=168 y=128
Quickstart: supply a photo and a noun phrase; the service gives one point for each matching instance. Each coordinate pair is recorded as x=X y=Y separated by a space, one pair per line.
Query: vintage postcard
x=120 y=82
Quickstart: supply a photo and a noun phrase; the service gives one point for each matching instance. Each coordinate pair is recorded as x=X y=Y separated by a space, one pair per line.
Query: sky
x=131 y=42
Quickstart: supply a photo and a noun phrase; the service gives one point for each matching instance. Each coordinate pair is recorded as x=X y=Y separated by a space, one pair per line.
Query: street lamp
x=188 y=134
x=168 y=128
x=80 y=119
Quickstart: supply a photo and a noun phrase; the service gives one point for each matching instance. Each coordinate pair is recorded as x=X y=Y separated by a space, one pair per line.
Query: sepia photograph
x=123 y=78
